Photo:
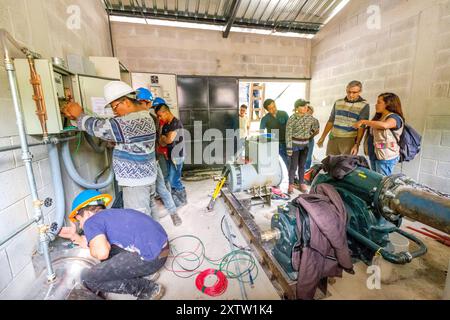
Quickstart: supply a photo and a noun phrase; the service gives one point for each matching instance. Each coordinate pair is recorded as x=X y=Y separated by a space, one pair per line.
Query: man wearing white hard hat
x=134 y=133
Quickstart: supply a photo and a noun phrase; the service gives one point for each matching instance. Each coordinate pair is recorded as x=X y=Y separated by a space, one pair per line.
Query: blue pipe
x=75 y=176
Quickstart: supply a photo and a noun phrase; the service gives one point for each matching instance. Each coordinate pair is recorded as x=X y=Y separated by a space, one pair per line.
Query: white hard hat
x=115 y=90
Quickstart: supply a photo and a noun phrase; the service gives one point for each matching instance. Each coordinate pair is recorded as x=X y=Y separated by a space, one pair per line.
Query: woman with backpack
x=384 y=133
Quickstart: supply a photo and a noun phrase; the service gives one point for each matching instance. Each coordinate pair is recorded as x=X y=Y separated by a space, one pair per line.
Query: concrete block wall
x=41 y=25
x=145 y=48
x=409 y=54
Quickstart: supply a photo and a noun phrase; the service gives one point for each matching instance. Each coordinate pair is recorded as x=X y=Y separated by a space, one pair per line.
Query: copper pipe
x=38 y=97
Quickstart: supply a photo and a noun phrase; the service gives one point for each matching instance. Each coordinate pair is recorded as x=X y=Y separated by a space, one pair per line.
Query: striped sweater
x=134 y=153
x=300 y=129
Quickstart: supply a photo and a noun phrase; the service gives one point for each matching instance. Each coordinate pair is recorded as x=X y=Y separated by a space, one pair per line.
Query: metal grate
x=299 y=16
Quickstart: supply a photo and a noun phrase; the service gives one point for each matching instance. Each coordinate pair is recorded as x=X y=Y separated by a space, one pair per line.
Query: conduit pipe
x=75 y=176
x=26 y=154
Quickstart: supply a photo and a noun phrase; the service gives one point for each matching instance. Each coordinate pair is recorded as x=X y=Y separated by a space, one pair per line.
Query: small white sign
x=98 y=107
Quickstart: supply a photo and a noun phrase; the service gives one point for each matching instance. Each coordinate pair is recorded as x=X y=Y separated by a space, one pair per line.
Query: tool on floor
x=219 y=287
x=433 y=235
x=219 y=186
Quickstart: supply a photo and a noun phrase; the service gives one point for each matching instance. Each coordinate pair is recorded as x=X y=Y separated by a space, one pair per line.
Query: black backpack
x=410 y=143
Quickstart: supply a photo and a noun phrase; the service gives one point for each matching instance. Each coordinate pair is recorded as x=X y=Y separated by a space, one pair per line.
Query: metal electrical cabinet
x=57 y=85
x=90 y=91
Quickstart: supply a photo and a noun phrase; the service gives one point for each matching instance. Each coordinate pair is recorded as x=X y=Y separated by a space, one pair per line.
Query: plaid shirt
x=300 y=129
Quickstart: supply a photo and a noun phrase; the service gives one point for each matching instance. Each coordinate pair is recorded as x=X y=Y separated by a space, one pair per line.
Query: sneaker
x=156 y=293
x=176 y=219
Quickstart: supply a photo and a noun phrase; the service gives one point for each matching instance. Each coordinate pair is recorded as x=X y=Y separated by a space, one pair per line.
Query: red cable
x=218 y=288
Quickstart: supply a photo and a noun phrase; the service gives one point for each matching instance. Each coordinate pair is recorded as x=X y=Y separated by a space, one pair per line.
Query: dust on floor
x=423 y=279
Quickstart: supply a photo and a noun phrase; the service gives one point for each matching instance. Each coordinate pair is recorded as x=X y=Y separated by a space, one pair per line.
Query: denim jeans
x=384 y=167
x=175 y=175
x=284 y=156
x=165 y=194
x=310 y=154
x=139 y=198
x=297 y=162
x=122 y=273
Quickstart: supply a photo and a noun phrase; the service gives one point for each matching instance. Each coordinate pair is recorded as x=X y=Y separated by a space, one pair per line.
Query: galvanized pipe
x=53 y=140
x=27 y=159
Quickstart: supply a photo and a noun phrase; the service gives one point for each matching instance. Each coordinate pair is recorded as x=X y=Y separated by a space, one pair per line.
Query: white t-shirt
x=243 y=127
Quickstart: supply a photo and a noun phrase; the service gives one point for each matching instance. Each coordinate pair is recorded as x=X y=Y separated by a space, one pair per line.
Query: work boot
x=156 y=293
x=183 y=196
x=179 y=197
x=176 y=219
x=176 y=200
x=291 y=189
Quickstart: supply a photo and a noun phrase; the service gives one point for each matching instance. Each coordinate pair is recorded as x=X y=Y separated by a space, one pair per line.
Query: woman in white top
x=383 y=134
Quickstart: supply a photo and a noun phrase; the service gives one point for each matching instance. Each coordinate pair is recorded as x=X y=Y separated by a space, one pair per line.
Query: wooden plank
x=285 y=286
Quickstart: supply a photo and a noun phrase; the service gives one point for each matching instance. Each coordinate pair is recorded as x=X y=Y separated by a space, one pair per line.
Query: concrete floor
x=424 y=278
x=205 y=225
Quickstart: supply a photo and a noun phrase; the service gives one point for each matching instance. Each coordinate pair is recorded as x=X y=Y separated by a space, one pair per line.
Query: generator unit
x=375 y=206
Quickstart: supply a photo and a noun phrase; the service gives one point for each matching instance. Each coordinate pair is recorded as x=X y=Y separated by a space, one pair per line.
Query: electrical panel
x=57 y=88
x=91 y=95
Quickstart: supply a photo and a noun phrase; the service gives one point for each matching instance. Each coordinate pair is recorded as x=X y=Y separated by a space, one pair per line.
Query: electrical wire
x=219 y=286
x=186 y=263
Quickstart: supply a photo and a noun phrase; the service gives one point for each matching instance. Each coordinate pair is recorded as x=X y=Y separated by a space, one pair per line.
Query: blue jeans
x=284 y=155
x=165 y=194
x=310 y=154
x=175 y=175
x=384 y=167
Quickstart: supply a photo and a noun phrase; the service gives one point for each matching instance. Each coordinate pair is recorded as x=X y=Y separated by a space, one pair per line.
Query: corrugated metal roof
x=300 y=16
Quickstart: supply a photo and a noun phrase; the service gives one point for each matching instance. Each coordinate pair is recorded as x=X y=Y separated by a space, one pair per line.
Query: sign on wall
x=161 y=85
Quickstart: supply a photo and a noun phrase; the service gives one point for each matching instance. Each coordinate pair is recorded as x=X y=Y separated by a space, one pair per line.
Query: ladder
x=260 y=90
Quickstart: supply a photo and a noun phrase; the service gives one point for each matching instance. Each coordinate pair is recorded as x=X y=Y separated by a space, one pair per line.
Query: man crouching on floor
x=130 y=244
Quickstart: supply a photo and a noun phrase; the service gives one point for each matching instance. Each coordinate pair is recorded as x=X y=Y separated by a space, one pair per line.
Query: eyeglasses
x=117 y=105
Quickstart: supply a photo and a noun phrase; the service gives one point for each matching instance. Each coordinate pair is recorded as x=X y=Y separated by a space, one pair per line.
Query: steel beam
x=231 y=17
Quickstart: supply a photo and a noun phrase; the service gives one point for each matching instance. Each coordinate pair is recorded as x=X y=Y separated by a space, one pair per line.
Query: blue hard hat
x=88 y=197
x=158 y=102
x=144 y=94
